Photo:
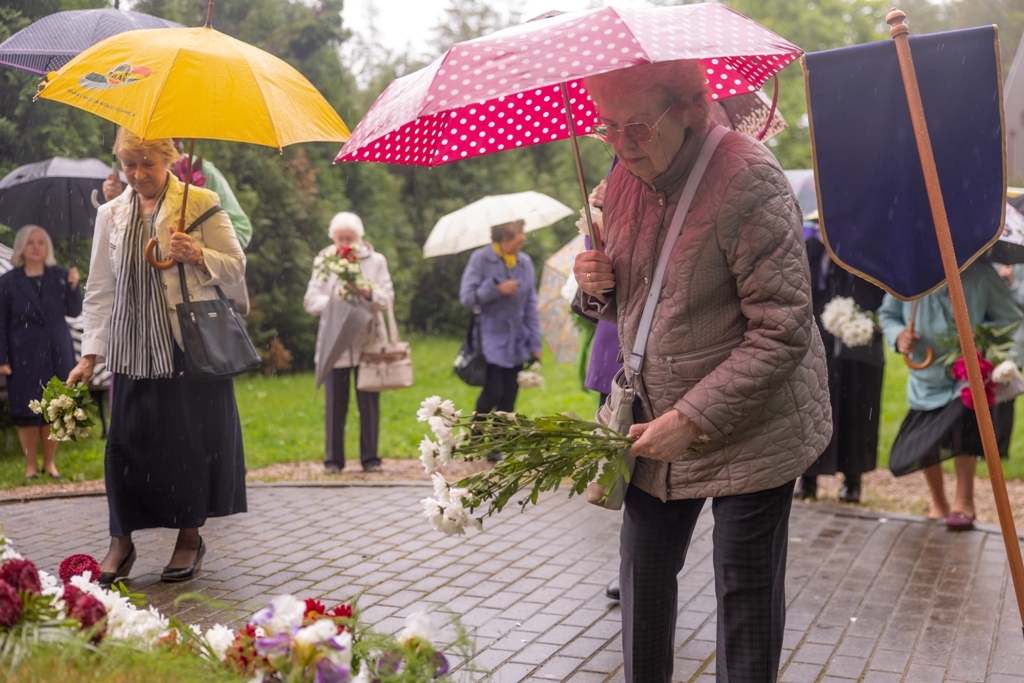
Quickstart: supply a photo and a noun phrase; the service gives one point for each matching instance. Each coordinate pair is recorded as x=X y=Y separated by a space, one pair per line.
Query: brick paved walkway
x=870 y=599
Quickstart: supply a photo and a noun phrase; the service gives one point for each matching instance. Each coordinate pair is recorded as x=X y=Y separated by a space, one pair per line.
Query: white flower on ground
x=1003 y=372
x=419 y=625
x=428 y=449
x=428 y=408
x=338 y=649
x=284 y=613
x=317 y=632
x=219 y=638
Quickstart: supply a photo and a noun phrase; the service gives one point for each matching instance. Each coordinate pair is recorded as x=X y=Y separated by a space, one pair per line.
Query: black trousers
x=500 y=389
x=368 y=402
x=750 y=541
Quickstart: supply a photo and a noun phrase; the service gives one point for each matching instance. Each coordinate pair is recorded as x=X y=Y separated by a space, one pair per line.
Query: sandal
x=959 y=521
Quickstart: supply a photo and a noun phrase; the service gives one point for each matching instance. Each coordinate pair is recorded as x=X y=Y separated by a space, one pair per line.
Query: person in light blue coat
x=938 y=424
x=499 y=283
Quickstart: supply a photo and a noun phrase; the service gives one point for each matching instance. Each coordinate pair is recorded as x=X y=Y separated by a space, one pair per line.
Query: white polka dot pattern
x=503 y=91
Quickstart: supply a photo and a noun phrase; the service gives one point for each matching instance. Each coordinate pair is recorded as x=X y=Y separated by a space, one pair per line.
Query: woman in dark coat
x=854 y=380
x=35 y=342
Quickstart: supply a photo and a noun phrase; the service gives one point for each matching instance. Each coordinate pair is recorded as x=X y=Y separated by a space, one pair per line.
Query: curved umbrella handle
x=929 y=355
x=163 y=265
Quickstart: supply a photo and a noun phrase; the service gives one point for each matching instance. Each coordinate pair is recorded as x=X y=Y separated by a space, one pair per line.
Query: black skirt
x=927 y=437
x=174 y=454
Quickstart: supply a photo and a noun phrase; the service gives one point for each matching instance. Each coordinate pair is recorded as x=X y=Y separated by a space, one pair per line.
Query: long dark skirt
x=174 y=454
x=856 y=394
x=927 y=437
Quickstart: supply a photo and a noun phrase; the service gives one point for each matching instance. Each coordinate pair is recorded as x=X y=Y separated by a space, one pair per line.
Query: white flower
x=428 y=449
x=36 y=407
x=317 y=632
x=339 y=650
x=363 y=676
x=836 y=314
x=444 y=454
x=428 y=408
x=419 y=625
x=79 y=414
x=442 y=430
x=530 y=380
x=446 y=511
x=448 y=411
x=859 y=331
x=1002 y=373
x=219 y=638
x=284 y=613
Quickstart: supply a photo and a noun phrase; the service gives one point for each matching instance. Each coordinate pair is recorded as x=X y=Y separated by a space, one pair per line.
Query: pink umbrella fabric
x=504 y=90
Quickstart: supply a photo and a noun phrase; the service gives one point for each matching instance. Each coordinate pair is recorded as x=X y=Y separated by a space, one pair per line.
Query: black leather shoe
x=806 y=488
x=850 y=490
x=107 y=579
x=172 y=575
x=612 y=591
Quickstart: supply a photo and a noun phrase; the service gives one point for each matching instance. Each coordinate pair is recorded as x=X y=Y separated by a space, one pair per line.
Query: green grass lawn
x=283 y=417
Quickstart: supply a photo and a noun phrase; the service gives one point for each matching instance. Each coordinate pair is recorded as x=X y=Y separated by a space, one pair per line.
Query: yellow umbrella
x=194 y=83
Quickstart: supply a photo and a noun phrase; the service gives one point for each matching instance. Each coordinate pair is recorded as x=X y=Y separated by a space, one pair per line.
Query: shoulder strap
x=197 y=222
x=636 y=358
x=181 y=267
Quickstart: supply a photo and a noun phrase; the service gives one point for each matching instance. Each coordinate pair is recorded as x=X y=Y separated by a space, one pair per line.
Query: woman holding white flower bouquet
x=174 y=451
x=335 y=282
x=734 y=364
x=36 y=296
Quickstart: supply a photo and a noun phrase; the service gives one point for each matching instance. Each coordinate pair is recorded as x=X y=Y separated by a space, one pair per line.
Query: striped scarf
x=141 y=341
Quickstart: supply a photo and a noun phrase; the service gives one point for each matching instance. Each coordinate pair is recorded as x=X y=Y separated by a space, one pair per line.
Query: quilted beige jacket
x=733 y=346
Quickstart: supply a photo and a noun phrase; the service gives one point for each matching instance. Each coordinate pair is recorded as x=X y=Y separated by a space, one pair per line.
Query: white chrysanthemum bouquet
x=846 y=320
x=529 y=377
x=65 y=409
x=538 y=454
x=345 y=265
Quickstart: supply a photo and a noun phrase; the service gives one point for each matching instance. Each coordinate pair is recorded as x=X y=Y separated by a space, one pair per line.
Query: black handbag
x=216 y=343
x=470 y=364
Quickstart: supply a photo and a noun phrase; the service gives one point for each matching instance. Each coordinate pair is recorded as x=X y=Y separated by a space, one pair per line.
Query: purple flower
x=329 y=672
x=263 y=616
x=442 y=665
x=275 y=644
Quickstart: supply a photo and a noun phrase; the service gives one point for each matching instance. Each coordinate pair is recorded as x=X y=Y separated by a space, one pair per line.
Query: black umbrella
x=50 y=43
x=55 y=194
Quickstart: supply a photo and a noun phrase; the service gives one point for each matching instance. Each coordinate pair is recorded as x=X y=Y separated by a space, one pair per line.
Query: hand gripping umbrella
x=524 y=85
x=195 y=83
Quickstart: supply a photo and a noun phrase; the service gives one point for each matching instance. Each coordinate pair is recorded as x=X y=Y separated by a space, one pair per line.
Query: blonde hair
x=681 y=83
x=127 y=141
x=18 y=251
x=346 y=220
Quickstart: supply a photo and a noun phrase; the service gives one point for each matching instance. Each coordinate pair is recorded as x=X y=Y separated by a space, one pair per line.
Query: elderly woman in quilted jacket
x=732 y=397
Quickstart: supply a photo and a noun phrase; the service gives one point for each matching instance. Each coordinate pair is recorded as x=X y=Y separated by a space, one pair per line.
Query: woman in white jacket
x=346 y=230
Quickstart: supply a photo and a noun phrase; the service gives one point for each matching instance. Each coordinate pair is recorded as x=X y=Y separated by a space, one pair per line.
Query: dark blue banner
x=872 y=201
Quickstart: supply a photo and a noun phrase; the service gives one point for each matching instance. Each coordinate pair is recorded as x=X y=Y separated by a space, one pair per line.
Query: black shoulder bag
x=470 y=365
x=216 y=343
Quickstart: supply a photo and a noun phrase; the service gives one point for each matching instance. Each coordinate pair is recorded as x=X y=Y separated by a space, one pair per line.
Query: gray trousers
x=750 y=541
x=336 y=396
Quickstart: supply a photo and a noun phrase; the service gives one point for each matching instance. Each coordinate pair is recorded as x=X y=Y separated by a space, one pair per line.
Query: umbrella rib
x=160 y=93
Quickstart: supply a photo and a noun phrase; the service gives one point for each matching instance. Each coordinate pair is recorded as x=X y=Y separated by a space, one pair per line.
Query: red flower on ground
x=314 y=609
x=87 y=610
x=21 y=575
x=343 y=610
x=11 y=605
x=76 y=565
x=69 y=595
x=242 y=655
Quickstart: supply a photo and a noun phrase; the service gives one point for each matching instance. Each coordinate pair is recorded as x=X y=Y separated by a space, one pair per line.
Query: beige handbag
x=386 y=363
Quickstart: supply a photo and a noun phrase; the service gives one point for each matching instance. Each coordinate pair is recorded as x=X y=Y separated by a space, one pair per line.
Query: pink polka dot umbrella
x=512 y=88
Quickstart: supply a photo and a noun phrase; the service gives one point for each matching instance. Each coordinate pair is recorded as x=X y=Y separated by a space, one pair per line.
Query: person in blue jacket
x=499 y=283
x=35 y=341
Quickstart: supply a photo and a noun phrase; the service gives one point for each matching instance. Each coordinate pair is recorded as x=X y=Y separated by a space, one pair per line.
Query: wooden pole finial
x=897 y=23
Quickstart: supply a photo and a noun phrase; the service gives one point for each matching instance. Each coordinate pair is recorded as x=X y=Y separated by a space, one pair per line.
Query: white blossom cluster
x=447 y=510
x=442 y=417
x=125 y=621
x=842 y=318
x=596 y=217
x=346 y=271
x=67 y=419
x=529 y=379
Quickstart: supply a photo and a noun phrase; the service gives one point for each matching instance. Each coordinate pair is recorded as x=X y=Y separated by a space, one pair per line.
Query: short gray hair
x=506 y=231
x=346 y=220
x=18 y=251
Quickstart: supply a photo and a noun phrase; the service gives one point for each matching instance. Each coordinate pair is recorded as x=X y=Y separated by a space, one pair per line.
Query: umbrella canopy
x=802 y=180
x=340 y=324
x=195 y=83
x=504 y=90
x=553 y=302
x=748 y=114
x=51 y=42
x=55 y=194
x=470 y=226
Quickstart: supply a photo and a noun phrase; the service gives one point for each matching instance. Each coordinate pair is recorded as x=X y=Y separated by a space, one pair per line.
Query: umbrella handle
x=161 y=265
x=929 y=355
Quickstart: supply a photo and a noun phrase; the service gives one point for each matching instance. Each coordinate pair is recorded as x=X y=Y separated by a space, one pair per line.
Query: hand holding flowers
x=344 y=264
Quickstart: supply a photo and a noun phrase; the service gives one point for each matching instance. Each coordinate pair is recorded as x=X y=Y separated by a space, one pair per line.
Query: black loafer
x=172 y=575
x=612 y=591
x=107 y=579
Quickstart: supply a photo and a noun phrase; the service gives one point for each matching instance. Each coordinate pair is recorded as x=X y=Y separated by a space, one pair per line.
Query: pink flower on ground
x=21 y=575
x=11 y=605
x=86 y=609
x=76 y=565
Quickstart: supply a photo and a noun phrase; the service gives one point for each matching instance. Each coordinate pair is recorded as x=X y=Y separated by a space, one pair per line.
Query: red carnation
x=242 y=656
x=346 y=252
x=11 y=605
x=314 y=609
x=344 y=610
x=70 y=595
x=76 y=565
x=21 y=575
x=88 y=611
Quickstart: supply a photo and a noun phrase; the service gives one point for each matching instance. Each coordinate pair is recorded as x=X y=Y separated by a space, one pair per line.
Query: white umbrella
x=470 y=226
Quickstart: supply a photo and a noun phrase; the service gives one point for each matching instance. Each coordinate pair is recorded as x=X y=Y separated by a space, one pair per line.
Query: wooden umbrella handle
x=161 y=265
x=151 y=245
x=929 y=354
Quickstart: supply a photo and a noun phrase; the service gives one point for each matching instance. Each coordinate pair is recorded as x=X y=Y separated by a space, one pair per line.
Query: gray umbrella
x=50 y=43
x=340 y=324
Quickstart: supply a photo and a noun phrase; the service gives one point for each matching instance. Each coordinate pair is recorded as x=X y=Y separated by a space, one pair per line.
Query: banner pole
x=899 y=32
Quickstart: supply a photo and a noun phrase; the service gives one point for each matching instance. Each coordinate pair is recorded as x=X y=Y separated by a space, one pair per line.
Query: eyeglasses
x=637 y=132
